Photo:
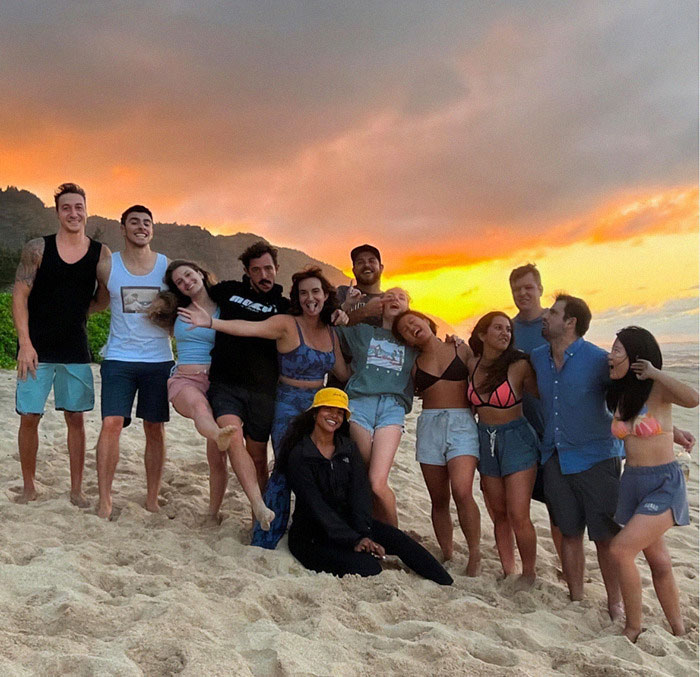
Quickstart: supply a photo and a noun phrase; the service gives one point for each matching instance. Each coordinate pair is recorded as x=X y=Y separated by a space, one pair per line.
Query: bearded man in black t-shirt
x=243 y=372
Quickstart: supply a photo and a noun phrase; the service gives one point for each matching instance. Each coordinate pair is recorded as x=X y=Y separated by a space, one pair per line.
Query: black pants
x=333 y=559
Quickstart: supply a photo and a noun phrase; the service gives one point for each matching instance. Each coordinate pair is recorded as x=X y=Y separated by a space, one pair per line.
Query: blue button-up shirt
x=577 y=420
x=527 y=337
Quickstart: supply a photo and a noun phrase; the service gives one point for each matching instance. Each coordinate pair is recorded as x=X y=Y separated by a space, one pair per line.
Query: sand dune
x=165 y=594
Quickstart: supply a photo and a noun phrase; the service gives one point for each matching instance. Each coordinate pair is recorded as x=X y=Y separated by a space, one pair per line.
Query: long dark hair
x=299 y=427
x=328 y=307
x=628 y=394
x=395 y=326
x=497 y=372
x=163 y=310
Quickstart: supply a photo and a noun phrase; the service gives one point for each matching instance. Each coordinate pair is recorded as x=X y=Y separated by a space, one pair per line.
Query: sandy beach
x=163 y=594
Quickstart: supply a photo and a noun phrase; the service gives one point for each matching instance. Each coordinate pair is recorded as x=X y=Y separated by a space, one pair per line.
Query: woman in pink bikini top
x=652 y=496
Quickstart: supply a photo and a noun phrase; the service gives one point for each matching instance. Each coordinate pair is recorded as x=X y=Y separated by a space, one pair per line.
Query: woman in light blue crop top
x=308 y=349
x=188 y=384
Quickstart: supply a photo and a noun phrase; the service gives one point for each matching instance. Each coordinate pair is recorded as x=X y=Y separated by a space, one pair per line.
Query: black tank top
x=58 y=304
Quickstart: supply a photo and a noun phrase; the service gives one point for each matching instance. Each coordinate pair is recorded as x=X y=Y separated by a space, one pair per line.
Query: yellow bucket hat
x=331 y=397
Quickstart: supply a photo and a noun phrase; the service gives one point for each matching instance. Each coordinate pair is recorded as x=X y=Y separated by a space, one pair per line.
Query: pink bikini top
x=644 y=425
x=502 y=397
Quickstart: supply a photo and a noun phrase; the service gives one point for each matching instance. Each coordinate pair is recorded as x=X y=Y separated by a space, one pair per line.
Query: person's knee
x=660 y=563
x=378 y=484
x=155 y=432
x=29 y=421
x=112 y=425
x=519 y=519
x=463 y=496
x=74 y=419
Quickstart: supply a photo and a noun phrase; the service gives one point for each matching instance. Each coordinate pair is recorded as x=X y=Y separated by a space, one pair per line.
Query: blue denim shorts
x=444 y=434
x=73 y=388
x=122 y=380
x=507 y=448
x=376 y=411
x=652 y=490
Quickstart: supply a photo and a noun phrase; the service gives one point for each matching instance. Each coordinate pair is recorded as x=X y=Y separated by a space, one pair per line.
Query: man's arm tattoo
x=29 y=261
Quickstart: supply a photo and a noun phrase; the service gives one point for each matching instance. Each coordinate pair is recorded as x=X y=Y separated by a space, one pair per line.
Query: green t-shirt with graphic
x=380 y=364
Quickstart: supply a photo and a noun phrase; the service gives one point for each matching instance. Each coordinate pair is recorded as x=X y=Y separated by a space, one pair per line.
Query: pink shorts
x=179 y=381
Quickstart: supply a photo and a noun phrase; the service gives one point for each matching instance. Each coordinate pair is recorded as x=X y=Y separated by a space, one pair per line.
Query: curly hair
x=331 y=303
x=163 y=310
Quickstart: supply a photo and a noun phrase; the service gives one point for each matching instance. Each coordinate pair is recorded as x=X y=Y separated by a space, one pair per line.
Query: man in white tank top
x=138 y=356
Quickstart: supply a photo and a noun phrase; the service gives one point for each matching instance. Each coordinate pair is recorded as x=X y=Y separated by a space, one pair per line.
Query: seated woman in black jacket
x=332 y=528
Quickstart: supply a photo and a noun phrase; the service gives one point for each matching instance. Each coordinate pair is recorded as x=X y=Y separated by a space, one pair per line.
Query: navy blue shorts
x=652 y=490
x=256 y=410
x=507 y=448
x=122 y=380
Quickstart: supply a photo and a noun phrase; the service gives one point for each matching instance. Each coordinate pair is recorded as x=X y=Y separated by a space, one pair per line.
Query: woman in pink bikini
x=652 y=495
x=508 y=446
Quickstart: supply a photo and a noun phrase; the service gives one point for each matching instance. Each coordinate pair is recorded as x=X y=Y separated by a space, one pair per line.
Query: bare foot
x=264 y=515
x=104 y=509
x=80 y=500
x=223 y=439
x=447 y=554
x=632 y=633
x=212 y=519
x=26 y=496
x=525 y=582
x=474 y=564
x=617 y=612
x=152 y=506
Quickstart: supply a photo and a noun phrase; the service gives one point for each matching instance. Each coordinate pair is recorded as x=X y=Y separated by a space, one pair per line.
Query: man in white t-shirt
x=138 y=356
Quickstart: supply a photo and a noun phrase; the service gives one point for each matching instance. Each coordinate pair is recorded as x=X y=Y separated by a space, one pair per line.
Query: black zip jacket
x=333 y=497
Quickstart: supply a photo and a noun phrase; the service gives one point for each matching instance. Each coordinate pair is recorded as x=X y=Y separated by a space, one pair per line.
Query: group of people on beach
x=329 y=375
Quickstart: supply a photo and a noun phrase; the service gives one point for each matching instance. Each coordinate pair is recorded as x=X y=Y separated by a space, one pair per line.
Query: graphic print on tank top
x=385 y=354
x=137 y=299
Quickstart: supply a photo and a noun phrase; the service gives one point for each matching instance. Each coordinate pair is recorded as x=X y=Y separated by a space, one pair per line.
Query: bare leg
x=384 y=447
x=610 y=573
x=218 y=477
x=245 y=470
x=191 y=403
x=644 y=533
x=363 y=439
x=461 y=470
x=258 y=453
x=573 y=562
x=76 y=454
x=154 y=460
x=28 y=443
x=437 y=480
x=556 y=538
x=518 y=488
x=495 y=490
x=107 y=459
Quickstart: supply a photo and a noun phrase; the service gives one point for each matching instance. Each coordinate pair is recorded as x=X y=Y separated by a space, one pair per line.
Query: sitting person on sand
x=652 y=495
x=447 y=441
x=332 y=528
x=508 y=446
x=189 y=283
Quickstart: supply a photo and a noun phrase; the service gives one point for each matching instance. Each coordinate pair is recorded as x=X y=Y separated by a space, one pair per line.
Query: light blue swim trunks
x=444 y=434
x=73 y=388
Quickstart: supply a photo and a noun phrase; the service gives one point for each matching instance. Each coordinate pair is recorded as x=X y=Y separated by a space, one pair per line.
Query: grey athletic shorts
x=444 y=434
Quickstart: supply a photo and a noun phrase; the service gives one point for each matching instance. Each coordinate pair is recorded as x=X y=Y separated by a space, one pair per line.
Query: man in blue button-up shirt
x=580 y=456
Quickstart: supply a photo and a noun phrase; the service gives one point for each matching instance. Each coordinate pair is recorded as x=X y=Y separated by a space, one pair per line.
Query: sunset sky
x=461 y=138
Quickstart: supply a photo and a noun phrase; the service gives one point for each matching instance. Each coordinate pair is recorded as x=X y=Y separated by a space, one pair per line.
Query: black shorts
x=122 y=380
x=586 y=499
x=256 y=410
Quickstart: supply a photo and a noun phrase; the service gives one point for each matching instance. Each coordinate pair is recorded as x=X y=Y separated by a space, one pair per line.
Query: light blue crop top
x=194 y=345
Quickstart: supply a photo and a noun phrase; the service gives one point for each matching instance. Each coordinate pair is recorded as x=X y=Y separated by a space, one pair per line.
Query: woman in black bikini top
x=447 y=445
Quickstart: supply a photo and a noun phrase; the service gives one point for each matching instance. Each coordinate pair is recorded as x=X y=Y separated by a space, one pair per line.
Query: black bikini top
x=455 y=371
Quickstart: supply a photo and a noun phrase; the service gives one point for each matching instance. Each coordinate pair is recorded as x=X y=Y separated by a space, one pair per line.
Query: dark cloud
x=391 y=119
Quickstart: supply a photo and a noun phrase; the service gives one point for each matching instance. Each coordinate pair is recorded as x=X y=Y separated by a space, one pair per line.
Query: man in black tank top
x=55 y=288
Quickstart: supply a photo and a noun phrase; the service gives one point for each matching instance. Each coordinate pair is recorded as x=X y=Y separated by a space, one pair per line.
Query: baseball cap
x=365 y=248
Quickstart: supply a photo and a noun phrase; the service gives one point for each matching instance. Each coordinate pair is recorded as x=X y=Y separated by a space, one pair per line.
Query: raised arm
x=340 y=369
x=275 y=327
x=673 y=391
x=104 y=267
x=372 y=308
x=29 y=262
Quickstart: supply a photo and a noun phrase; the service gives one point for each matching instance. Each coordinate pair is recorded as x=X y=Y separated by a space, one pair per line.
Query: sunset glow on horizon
x=462 y=142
